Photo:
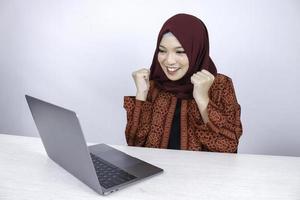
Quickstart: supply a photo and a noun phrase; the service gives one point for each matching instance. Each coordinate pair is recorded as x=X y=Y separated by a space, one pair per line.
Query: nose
x=170 y=59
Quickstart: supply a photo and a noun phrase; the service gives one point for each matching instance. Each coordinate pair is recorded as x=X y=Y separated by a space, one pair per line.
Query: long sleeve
x=222 y=132
x=138 y=118
x=138 y=112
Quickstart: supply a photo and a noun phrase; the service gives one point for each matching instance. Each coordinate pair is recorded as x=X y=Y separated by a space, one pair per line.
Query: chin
x=173 y=78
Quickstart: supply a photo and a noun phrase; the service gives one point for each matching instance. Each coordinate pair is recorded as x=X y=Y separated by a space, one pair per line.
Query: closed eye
x=161 y=51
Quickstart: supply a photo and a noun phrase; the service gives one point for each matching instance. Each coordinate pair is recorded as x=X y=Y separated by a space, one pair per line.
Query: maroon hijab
x=193 y=36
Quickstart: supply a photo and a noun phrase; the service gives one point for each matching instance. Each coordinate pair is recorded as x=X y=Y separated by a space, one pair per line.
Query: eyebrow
x=179 y=47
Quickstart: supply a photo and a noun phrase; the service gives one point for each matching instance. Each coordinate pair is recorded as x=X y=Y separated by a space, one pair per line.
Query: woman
x=182 y=102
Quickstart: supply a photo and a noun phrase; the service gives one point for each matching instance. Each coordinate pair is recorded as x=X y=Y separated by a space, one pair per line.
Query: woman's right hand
x=141 y=80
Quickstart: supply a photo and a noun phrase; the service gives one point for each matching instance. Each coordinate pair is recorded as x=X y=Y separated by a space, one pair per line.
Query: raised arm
x=222 y=130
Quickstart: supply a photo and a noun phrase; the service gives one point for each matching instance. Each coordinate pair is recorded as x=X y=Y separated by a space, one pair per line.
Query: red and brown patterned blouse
x=149 y=122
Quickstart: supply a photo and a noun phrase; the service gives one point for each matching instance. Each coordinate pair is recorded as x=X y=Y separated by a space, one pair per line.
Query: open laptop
x=101 y=167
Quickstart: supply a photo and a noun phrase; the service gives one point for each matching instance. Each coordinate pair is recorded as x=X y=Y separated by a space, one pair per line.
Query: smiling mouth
x=172 y=70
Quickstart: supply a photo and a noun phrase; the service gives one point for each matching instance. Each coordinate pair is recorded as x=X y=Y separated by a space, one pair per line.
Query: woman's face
x=172 y=57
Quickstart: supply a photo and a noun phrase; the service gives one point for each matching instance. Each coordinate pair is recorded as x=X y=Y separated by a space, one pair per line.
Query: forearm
x=133 y=109
x=218 y=143
x=202 y=106
x=142 y=96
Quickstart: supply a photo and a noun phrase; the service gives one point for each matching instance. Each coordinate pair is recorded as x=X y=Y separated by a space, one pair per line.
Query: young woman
x=182 y=102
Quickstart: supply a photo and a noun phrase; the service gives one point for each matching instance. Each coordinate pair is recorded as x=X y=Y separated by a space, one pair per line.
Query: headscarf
x=193 y=36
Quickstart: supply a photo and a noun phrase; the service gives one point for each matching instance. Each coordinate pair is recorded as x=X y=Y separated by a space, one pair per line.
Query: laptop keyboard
x=108 y=174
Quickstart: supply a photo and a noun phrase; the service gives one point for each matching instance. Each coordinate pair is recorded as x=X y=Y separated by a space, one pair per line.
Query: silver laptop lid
x=63 y=140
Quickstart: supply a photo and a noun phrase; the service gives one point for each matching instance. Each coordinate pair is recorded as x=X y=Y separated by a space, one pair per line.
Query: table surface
x=27 y=173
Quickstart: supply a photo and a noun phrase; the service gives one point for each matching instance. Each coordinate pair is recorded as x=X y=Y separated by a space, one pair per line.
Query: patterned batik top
x=149 y=122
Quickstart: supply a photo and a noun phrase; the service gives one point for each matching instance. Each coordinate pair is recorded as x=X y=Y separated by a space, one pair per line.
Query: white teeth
x=172 y=69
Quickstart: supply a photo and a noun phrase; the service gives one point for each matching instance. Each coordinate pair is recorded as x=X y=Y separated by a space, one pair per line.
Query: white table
x=26 y=173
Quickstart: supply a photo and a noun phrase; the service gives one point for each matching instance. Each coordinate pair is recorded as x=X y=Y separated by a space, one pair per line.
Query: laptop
x=101 y=167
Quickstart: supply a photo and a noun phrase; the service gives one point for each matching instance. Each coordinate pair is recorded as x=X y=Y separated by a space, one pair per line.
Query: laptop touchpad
x=118 y=158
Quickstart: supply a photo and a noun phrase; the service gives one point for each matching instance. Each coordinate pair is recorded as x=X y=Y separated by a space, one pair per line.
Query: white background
x=80 y=55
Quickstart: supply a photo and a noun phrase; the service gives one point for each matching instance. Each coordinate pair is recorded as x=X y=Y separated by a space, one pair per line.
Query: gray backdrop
x=80 y=55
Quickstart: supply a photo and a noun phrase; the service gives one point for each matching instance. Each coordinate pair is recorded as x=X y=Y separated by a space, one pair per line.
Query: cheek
x=160 y=58
x=184 y=61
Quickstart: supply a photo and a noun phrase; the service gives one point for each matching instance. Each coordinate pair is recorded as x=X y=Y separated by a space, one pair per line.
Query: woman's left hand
x=202 y=81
